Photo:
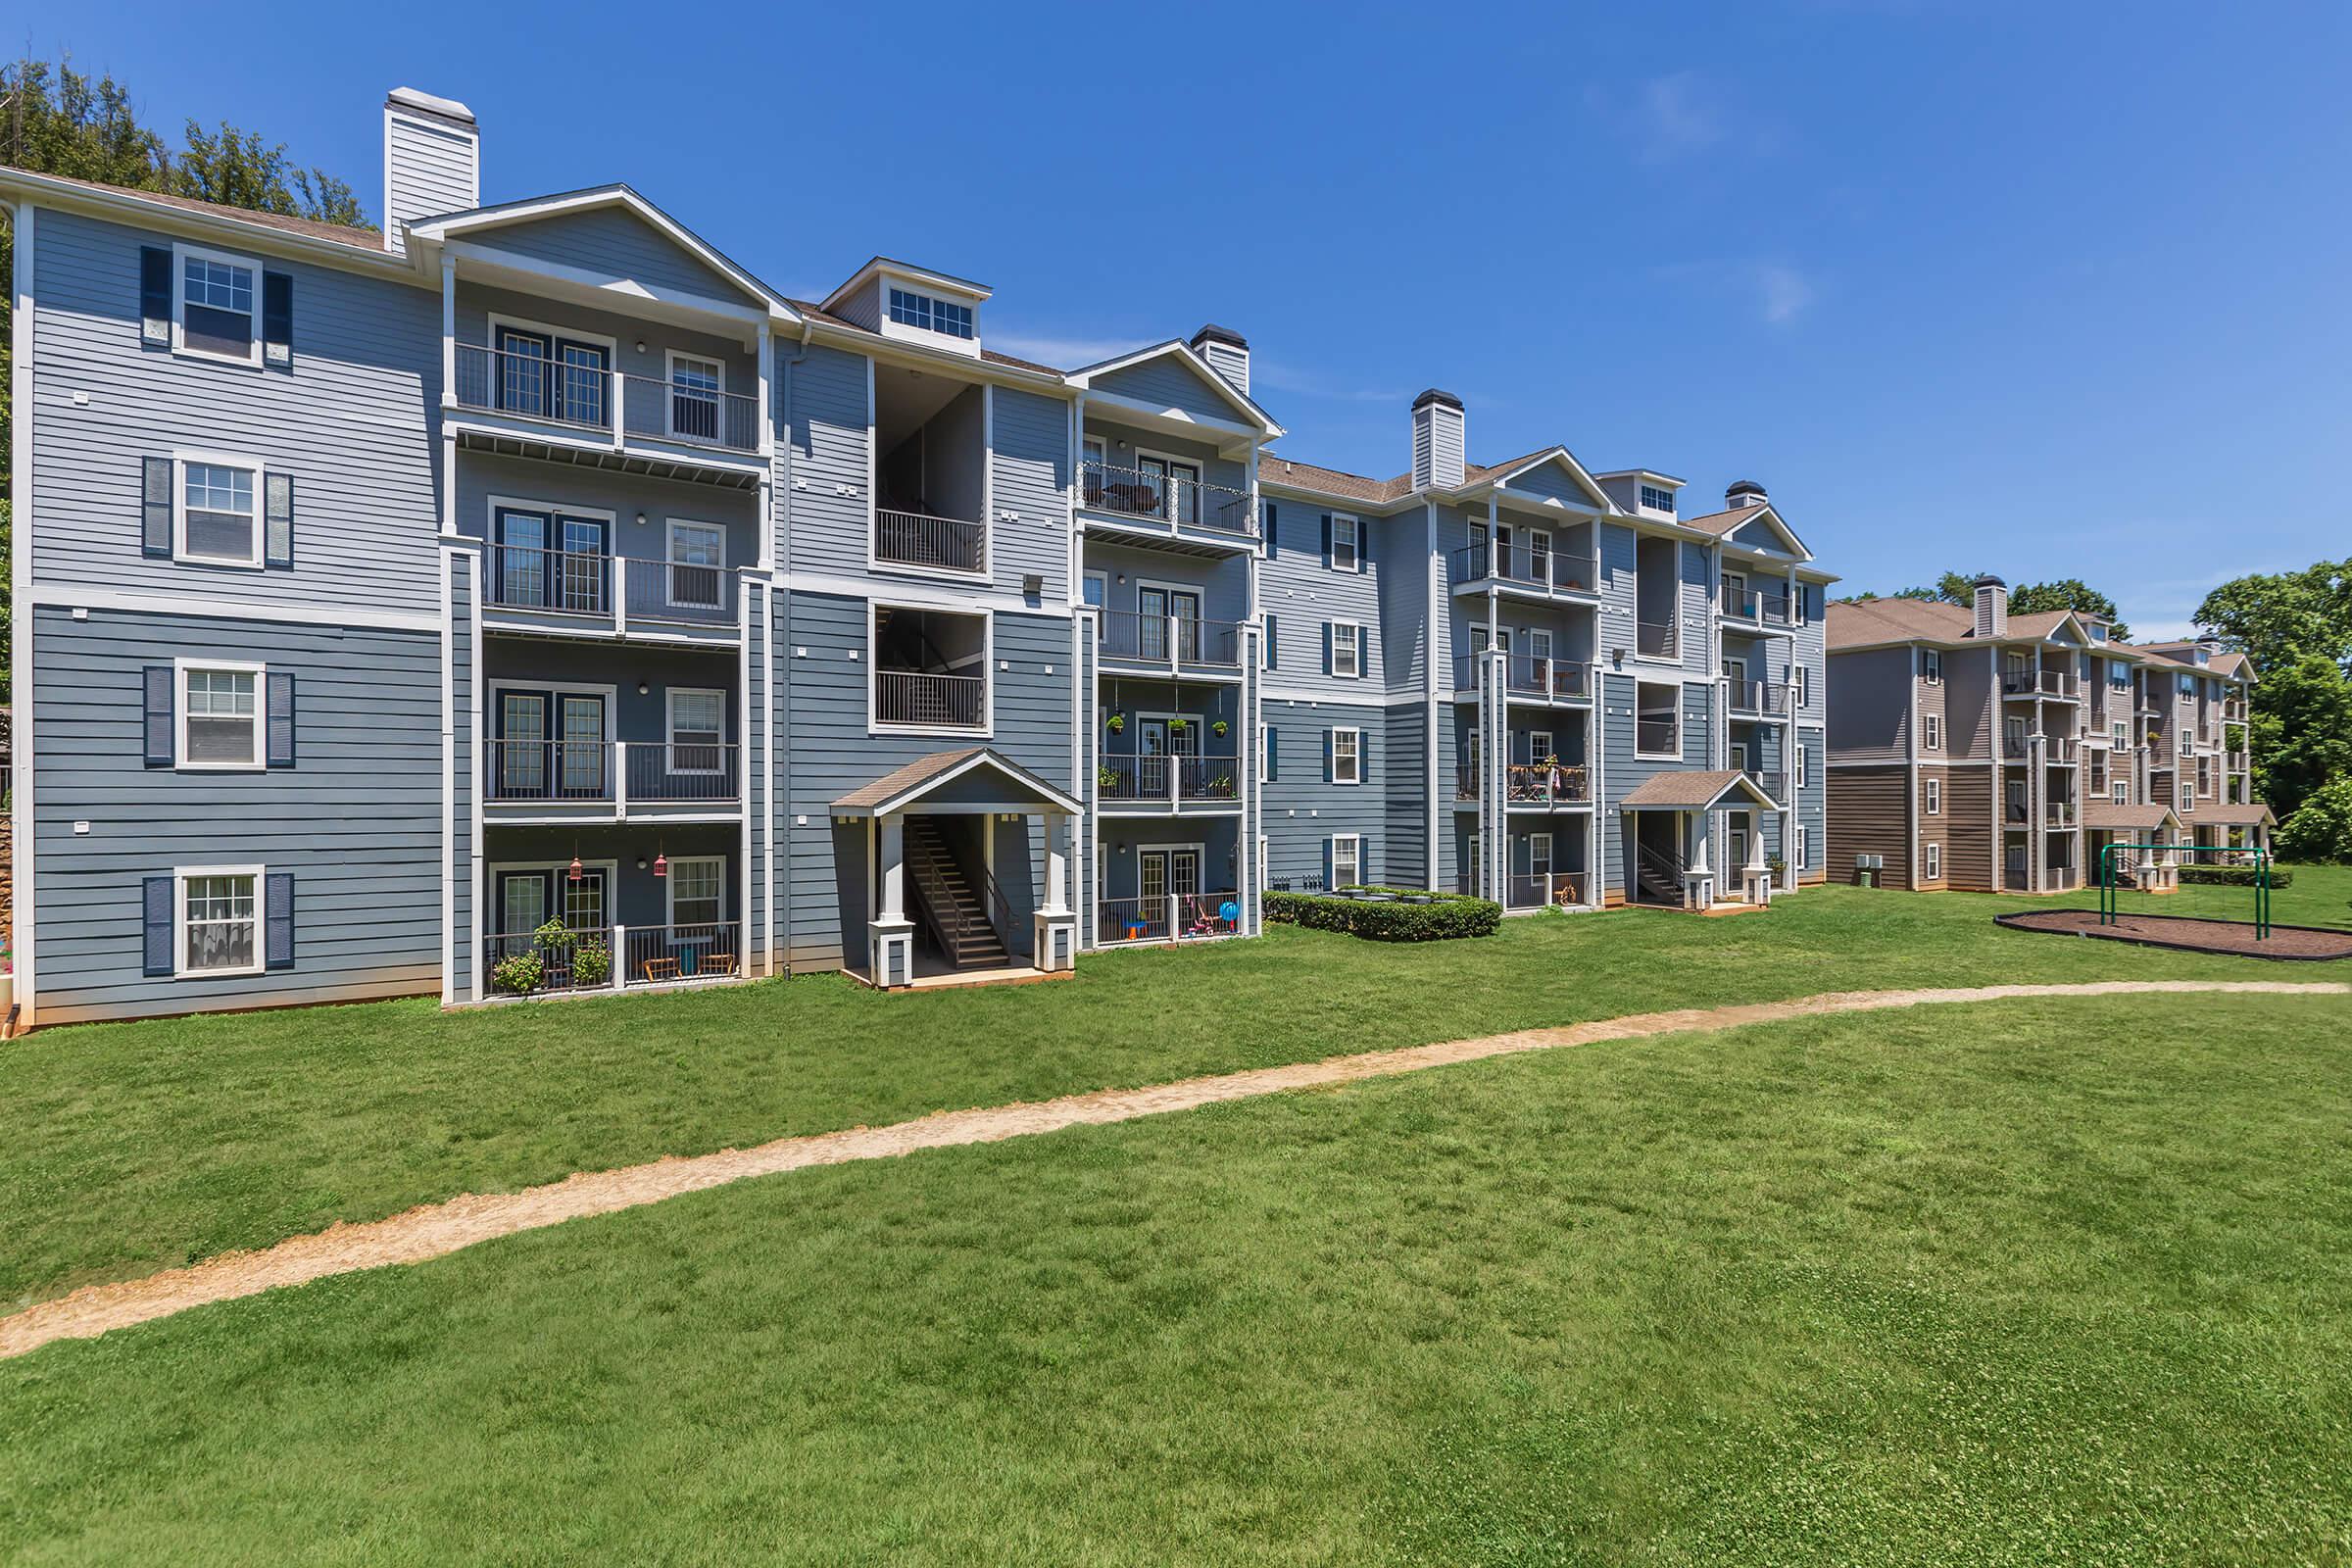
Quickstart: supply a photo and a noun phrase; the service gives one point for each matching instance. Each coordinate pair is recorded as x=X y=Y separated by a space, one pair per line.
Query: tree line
x=55 y=119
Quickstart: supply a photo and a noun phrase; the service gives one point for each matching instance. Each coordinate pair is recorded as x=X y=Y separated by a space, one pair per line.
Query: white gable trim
x=1253 y=420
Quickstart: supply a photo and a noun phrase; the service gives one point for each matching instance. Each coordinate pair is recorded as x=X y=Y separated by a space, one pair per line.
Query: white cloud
x=1271 y=375
x=1778 y=291
x=1673 y=117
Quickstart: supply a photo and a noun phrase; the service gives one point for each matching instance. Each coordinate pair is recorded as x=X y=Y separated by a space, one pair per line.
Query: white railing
x=1526 y=565
x=583 y=397
x=1156 y=496
x=1181 y=916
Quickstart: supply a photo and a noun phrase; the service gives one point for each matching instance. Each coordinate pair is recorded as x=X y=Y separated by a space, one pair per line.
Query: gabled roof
x=930 y=275
x=1723 y=524
x=902 y=787
x=1242 y=404
x=2224 y=660
x=478 y=220
x=2230 y=813
x=2111 y=818
x=1502 y=473
x=1868 y=622
x=1694 y=791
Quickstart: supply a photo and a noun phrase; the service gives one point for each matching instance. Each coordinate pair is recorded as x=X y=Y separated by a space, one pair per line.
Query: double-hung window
x=1933 y=724
x=219 y=715
x=220 y=920
x=1347 y=544
x=1347 y=860
x=1804 y=769
x=1346 y=650
x=696 y=388
x=2122 y=793
x=217 y=310
x=220 y=515
x=698 y=730
x=1935 y=862
x=1347 y=756
x=1935 y=789
x=1930 y=665
x=1802 y=678
x=698 y=887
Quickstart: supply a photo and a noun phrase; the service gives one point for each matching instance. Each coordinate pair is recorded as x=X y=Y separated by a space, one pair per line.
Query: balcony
x=585 y=960
x=918 y=699
x=571 y=781
x=2056 y=684
x=1758 y=699
x=570 y=590
x=1532 y=568
x=1168 y=508
x=1530 y=678
x=1770 y=780
x=1169 y=644
x=1757 y=607
x=539 y=407
x=1657 y=639
x=1130 y=785
x=2058 y=813
x=1564 y=889
x=1545 y=784
x=1167 y=917
x=2062 y=751
x=930 y=543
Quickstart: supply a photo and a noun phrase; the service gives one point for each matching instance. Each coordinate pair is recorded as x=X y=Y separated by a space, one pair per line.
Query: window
x=219 y=715
x=1347 y=860
x=2121 y=794
x=1347 y=554
x=215 y=310
x=1935 y=797
x=1804 y=769
x=695 y=388
x=1273 y=658
x=1658 y=719
x=1930 y=665
x=1799 y=676
x=1933 y=738
x=1805 y=847
x=1657 y=500
x=698 y=730
x=1347 y=756
x=1935 y=862
x=219 y=515
x=220 y=929
x=922 y=311
x=698 y=887
x=1346 y=649
x=2122 y=735
x=698 y=561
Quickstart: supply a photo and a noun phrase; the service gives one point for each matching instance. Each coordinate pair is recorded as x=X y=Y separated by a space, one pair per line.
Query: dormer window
x=928 y=314
x=1657 y=500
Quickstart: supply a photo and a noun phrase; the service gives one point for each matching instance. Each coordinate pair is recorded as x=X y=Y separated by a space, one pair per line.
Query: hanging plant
x=1115 y=723
x=1175 y=726
x=1219 y=728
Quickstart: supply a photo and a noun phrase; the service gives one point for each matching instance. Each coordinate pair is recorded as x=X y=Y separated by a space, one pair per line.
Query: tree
x=2296 y=628
x=2276 y=618
x=232 y=168
x=2321 y=829
x=2068 y=594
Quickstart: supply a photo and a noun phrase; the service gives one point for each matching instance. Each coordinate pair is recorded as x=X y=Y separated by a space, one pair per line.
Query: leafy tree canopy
x=2033 y=598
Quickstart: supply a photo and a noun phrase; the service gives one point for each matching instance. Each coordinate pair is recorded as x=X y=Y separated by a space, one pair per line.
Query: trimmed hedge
x=1446 y=917
x=2234 y=876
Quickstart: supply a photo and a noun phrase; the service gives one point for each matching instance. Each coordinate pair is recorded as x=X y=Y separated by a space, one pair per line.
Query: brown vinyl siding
x=1935 y=829
x=1867 y=817
x=1967 y=828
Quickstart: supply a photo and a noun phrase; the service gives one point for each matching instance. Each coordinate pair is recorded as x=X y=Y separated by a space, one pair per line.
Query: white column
x=1058 y=876
x=894 y=867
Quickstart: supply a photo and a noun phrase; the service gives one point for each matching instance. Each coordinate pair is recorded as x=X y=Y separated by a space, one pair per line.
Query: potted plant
x=520 y=972
x=592 y=964
x=1176 y=726
x=1219 y=728
x=1107 y=777
x=1115 y=723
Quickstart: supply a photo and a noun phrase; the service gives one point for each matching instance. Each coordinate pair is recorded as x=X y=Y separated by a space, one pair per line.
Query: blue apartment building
x=382 y=599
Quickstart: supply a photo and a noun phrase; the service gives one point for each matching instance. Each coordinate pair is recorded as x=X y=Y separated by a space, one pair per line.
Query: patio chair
x=660 y=969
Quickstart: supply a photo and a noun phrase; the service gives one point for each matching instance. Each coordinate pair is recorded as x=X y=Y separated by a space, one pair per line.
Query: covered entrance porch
x=966 y=870
x=1695 y=841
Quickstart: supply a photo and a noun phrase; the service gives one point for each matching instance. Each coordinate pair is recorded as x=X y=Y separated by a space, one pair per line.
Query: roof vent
x=1744 y=493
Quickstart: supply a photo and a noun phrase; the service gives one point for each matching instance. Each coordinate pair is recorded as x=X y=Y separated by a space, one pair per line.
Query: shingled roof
x=1690 y=790
x=1885 y=620
x=367 y=239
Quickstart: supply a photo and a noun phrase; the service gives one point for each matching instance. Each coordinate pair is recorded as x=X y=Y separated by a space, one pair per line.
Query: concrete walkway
x=435 y=1230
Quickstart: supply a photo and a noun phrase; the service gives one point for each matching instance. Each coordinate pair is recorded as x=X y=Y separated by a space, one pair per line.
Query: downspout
x=779 y=702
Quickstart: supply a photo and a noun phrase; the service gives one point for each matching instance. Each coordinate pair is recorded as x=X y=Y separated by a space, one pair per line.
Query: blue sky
x=2049 y=290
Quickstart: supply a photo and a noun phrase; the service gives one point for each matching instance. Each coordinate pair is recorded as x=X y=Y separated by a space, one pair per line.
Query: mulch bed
x=2190 y=933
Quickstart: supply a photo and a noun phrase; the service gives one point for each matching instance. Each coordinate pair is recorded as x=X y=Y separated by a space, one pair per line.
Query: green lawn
x=2047 y=1282
x=134 y=1147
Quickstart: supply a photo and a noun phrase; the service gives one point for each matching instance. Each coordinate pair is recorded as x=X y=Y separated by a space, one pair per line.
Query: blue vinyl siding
x=1172 y=381
x=356 y=822
x=616 y=244
x=1030 y=498
x=1302 y=808
x=830 y=432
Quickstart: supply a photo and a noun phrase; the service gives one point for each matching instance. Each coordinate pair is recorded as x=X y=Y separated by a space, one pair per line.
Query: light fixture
x=641 y=345
x=640 y=519
x=641 y=862
x=661 y=863
x=643 y=689
x=576 y=872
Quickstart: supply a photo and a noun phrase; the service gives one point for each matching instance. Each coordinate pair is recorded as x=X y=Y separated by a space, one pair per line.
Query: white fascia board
x=961 y=288
x=874 y=346
x=131 y=207
x=628 y=288
x=1566 y=459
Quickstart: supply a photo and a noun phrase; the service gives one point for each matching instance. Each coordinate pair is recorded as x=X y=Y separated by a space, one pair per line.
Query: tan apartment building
x=1972 y=749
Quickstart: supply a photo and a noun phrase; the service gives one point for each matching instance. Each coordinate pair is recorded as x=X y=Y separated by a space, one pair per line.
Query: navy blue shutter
x=1273 y=536
x=1273 y=754
x=1273 y=644
x=154 y=297
x=1327 y=647
x=155 y=507
x=281 y=718
x=277 y=520
x=159 y=692
x=155 y=899
x=1327 y=539
x=1328 y=867
x=278 y=920
x=1327 y=748
x=277 y=320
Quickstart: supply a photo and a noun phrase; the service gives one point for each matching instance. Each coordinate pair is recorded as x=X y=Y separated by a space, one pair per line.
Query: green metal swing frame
x=2109 y=891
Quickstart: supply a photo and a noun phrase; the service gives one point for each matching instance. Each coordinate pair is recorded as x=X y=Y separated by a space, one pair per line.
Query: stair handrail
x=943 y=914
x=1672 y=867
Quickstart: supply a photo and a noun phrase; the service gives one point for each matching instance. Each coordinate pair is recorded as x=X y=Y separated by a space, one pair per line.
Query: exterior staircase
x=954 y=905
x=1661 y=877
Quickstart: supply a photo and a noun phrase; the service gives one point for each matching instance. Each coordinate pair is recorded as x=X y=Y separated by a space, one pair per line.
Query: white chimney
x=432 y=161
x=1227 y=353
x=1440 y=441
x=1992 y=606
x=1744 y=493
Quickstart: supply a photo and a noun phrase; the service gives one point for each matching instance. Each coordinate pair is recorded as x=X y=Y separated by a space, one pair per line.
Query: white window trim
x=179 y=716
x=1681 y=723
x=1931 y=737
x=669 y=555
x=180 y=255
x=1337 y=731
x=1801 y=837
x=1802 y=678
x=499 y=869
x=1935 y=870
x=1356 y=629
x=180 y=876
x=1804 y=767
x=987 y=672
x=179 y=507
x=670 y=382
x=669 y=724
x=1930 y=665
x=1355 y=543
x=1337 y=839
x=670 y=888
x=561 y=689
x=1935 y=794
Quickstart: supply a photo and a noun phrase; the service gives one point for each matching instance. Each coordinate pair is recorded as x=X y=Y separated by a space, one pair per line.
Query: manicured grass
x=2023 y=1283
x=134 y=1146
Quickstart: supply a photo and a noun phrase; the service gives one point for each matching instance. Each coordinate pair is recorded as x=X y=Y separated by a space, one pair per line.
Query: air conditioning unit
x=1869 y=863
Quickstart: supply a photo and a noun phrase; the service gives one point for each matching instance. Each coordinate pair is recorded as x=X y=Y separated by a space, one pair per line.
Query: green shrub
x=2233 y=876
x=1446 y=916
x=2321 y=829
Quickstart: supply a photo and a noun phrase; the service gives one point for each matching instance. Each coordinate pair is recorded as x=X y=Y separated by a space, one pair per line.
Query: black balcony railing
x=665 y=954
x=1170 y=638
x=939 y=544
x=688 y=410
x=930 y=700
x=679 y=591
x=681 y=771
x=531 y=577
x=1549 y=784
x=547 y=771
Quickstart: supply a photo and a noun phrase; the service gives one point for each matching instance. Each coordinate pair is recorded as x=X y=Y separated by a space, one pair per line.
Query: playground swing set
x=2111 y=888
